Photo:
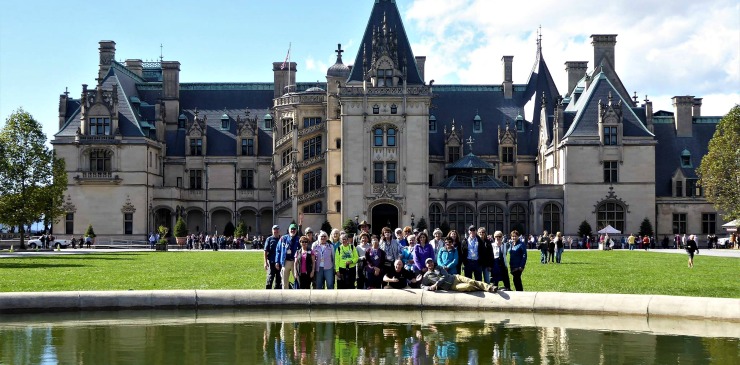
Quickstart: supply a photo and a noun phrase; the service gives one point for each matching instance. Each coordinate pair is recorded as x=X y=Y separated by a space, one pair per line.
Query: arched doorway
x=384 y=215
x=163 y=217
x=219 y=219
x=195 y=221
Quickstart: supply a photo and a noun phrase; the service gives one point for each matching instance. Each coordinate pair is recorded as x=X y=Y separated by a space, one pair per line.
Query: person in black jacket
x=691 y=247
x=485 y=250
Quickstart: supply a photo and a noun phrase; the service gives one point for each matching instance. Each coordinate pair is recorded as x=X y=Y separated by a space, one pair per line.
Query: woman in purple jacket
x=422 y=252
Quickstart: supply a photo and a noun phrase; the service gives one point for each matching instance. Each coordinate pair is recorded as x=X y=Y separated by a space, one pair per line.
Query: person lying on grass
x=437 y=278
x=399 y=277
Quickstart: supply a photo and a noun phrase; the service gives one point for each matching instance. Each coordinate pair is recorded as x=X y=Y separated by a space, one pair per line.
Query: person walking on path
x=691 y=247
x=517 y=259
x=631 y=242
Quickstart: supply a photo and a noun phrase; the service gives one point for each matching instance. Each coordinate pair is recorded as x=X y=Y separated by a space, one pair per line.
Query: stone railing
x=300 y=99
x=96 y=138
x=284 y=170
x=396 y=90
x=283 y=204
x=246 y=194
x=318 y=193
x=106 y=177
x=312 y=160
x=283 y=140
x=314 y=128
x=193 y=194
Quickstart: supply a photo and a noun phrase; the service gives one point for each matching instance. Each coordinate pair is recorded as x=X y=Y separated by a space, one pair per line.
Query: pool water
x=300 y=336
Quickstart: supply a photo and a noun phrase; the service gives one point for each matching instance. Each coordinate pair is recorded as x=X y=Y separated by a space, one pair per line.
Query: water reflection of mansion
x=379 y=141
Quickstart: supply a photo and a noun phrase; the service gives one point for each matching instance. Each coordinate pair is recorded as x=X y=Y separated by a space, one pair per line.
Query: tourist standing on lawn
x=271 y=265
x=305 y=261
x=437 y=242
x=470 y=255
x=458 y=246
x=390 y=247
x=324 y=252
x=517 y=259
x=485 y=251
x=407 y=253
x=551 y=249
x=289 y=245
x=447 y=256
x=364 y=227
x=543 y=243
x=347 y=258
x=691 y=247
x=361 y=261
x=375 y=262
x=646 y=242
x=422 y=251
x=500 y=271
x=559 y=247
x=631 y=242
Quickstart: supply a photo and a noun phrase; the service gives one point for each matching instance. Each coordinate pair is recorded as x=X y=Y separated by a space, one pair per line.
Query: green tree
x=326 y=227
x=718 y=172
x=181 y=230
x=422 y=225
x=229 y=229
x=90 y=232
x=241 y=229
x=646 y=228
x=29 y=174
x=584 y=229
x=350 y=227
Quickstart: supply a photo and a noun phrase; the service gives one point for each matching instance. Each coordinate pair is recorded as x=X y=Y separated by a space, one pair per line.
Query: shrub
x=181 y=230
x=584 y=229
x=229 y=229
x=90 y=232
x=241 y=229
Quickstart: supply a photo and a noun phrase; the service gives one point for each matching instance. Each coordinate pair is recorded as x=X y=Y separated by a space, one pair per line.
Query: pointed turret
x=540 y=87
x=385 y=40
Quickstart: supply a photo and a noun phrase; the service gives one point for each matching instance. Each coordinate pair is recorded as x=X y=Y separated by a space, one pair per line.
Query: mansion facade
x=378 y=141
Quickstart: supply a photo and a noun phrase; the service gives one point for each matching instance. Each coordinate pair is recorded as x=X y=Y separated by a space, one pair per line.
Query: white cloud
x=664 y=48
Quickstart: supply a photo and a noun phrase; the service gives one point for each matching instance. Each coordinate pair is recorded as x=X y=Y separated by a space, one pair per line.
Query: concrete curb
x=538 y=302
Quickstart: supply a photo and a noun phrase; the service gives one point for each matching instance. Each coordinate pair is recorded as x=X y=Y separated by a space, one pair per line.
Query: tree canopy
x=32 y=179
x=719 y=171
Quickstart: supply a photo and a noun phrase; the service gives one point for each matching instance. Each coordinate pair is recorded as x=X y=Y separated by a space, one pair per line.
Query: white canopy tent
x=731 y=226
x=610 y=230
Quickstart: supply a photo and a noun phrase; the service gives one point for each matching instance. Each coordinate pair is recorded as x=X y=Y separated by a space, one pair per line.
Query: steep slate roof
x=385 y=9
x=470 y=162
x=669 y=149
x=585 y=111
x=541 y=84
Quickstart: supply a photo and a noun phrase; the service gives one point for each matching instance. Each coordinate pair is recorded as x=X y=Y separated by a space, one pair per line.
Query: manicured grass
x=635 y=272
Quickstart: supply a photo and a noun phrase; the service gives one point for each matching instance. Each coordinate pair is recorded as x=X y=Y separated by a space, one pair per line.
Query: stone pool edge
x=726 y=309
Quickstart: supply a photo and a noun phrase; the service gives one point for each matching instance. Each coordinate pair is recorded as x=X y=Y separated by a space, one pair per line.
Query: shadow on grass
x=80 y=256
x=35 y=266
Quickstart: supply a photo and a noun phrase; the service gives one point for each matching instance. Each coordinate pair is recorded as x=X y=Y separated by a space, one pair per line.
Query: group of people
x=551 y=247
x=398 y=259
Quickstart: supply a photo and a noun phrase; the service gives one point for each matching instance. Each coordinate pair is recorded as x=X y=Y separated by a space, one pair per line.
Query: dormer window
x=196 y=147
x=182 y=121
x=453 y=154
x=385 y=77
x=247 y=147
x=477 y=124
x=224 y=122
x=507 y=154
x=432 y=124
x=100 y=127
x=610 y=136
x=268 y=122
x=686 y=158
x=394 y=109
x=376 y=109
x=519 y=123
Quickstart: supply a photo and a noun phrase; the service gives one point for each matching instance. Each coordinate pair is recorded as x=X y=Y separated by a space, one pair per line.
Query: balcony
x=283 y=140
x=193 y=194
x=321 y=127
x=312 y=161
x=390 y=90
x=284 y=170
x=96 y=139
x=283 y=205
x=246 y=194
x=97 y=178
x=318 y=193
x=300 y=99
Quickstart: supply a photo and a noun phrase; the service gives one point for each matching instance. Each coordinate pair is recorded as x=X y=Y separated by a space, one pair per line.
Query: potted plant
x=181 y=231
x=162 y=243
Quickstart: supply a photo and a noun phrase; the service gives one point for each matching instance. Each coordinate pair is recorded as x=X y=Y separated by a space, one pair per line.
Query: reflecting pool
x=300 y=336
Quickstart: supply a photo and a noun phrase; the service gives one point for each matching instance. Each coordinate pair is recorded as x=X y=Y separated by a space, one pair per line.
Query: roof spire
x=161 y=52
x=539 y=39
x=339 y=52
x=470 y=144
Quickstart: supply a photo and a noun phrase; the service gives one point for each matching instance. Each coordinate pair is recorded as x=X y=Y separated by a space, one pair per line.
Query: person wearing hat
x=437 y=278
x=271 y=266
x=469 y=254
x=364 y=227
x=287 y=248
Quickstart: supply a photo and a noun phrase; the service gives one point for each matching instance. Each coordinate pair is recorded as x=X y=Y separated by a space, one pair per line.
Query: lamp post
x=412 y=221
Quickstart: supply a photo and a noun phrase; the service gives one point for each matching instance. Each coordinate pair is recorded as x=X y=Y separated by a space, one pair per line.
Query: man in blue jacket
x=272 y=245
x=285 y=257
x=517 y=259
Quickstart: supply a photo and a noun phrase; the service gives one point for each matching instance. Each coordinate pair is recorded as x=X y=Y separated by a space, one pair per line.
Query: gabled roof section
x=586 y=109
x=385 y=10
x=541 y=86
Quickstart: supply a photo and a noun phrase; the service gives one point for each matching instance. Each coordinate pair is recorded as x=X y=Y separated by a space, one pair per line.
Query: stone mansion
x=380 y=141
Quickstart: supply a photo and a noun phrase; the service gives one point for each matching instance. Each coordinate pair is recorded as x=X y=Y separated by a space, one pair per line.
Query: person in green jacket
x=346 y=259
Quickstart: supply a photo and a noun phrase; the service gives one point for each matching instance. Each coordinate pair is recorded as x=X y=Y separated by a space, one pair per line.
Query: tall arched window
x=461 y=217
x=378 y=137
x=610 y=213
x=518 y=219
x=435 y=216
x=391 y=137
x=492 y=217
x=551 y=218
x=100 y=161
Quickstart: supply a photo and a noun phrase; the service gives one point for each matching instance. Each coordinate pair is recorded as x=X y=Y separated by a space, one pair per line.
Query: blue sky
x=663 y=49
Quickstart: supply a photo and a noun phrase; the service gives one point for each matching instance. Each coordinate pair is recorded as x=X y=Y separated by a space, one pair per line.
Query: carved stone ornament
x=612 y=197
x=128 y=207
x=68 y=206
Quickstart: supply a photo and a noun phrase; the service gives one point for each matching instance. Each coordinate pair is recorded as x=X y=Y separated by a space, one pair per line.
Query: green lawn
x=628 y=272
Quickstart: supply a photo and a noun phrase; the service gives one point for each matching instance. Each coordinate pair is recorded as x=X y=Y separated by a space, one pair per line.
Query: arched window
x=391 y=137
x=461 y=217
x=551 y=218
x=100 y=161
x=378 y=137
x=518 y=219
x=492 y=218
x=610 y=213
x=435 y=216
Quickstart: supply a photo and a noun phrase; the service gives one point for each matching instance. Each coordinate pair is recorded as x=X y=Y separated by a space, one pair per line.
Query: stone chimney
x=135 y=66
x=508 y=76
x=604 y=50
x=420 y=62
x=575 y=70
x=683 y=106
x=696 y=109
x=63 y=108
x=281 y=78
x=107 y=56
x=171 y=91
